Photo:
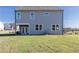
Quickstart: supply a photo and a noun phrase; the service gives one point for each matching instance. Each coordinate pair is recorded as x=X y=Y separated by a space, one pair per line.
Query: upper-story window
x=46 y=13
x=18 y=15
x=32 y=15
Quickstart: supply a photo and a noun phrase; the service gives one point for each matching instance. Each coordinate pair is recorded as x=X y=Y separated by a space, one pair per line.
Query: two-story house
x=39 y=20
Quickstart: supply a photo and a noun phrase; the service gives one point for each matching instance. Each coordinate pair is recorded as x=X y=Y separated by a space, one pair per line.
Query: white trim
x=39 y=27
x=22 y=23
x=55 y=27
x=18 y=17
x=51 y=27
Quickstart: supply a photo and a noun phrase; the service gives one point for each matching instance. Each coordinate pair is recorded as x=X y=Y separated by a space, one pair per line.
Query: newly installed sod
x=39 y=43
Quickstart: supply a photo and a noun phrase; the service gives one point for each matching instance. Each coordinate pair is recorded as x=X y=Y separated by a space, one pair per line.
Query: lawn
x=39 y=43
x=7 y=32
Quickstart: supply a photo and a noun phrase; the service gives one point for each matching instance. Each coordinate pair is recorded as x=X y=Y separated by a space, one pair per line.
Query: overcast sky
x=71 y=15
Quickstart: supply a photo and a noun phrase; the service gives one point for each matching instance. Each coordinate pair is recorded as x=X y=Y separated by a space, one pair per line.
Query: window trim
x=55 y=27
x=52 y=27
x=38 y=27
x=31 y=15
x=58 y=28
x=46 y=13
x=18 y=16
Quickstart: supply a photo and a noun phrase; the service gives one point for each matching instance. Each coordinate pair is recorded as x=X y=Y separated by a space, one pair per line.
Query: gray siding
x=47 y=20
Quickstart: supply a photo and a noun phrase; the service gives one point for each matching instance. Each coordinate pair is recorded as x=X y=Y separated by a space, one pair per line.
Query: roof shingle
x=38 y=8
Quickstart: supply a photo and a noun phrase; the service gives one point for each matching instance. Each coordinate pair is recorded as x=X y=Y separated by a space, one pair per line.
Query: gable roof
x=38 y=8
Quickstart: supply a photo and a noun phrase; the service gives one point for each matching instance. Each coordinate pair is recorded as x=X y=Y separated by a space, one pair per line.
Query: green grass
x=7 y=32
x=40 y=43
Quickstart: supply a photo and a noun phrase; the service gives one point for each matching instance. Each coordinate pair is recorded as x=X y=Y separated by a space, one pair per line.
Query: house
x=39 y=20
x=9 y=26
x=1 y=26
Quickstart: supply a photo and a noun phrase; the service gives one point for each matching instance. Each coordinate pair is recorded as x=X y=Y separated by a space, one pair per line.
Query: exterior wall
x=46 y=18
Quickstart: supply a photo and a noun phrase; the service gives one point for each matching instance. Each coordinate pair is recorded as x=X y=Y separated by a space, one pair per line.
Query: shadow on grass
x=22 y=35
x=7 y=34
x=26 y=35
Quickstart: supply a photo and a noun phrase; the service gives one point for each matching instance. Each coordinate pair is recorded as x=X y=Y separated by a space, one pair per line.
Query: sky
x=7 y=13
x=71 y=15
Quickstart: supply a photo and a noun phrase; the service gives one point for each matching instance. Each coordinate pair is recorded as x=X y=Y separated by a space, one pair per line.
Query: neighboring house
x=1 y=26
x=9 y=26
x=39 y=20
x=71 y=30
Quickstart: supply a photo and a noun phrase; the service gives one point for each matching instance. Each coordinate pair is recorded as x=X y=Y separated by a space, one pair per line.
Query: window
x=32 y=15
x=46 y=12
x=38 y=27
x=18 y=15
x=55 y=27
